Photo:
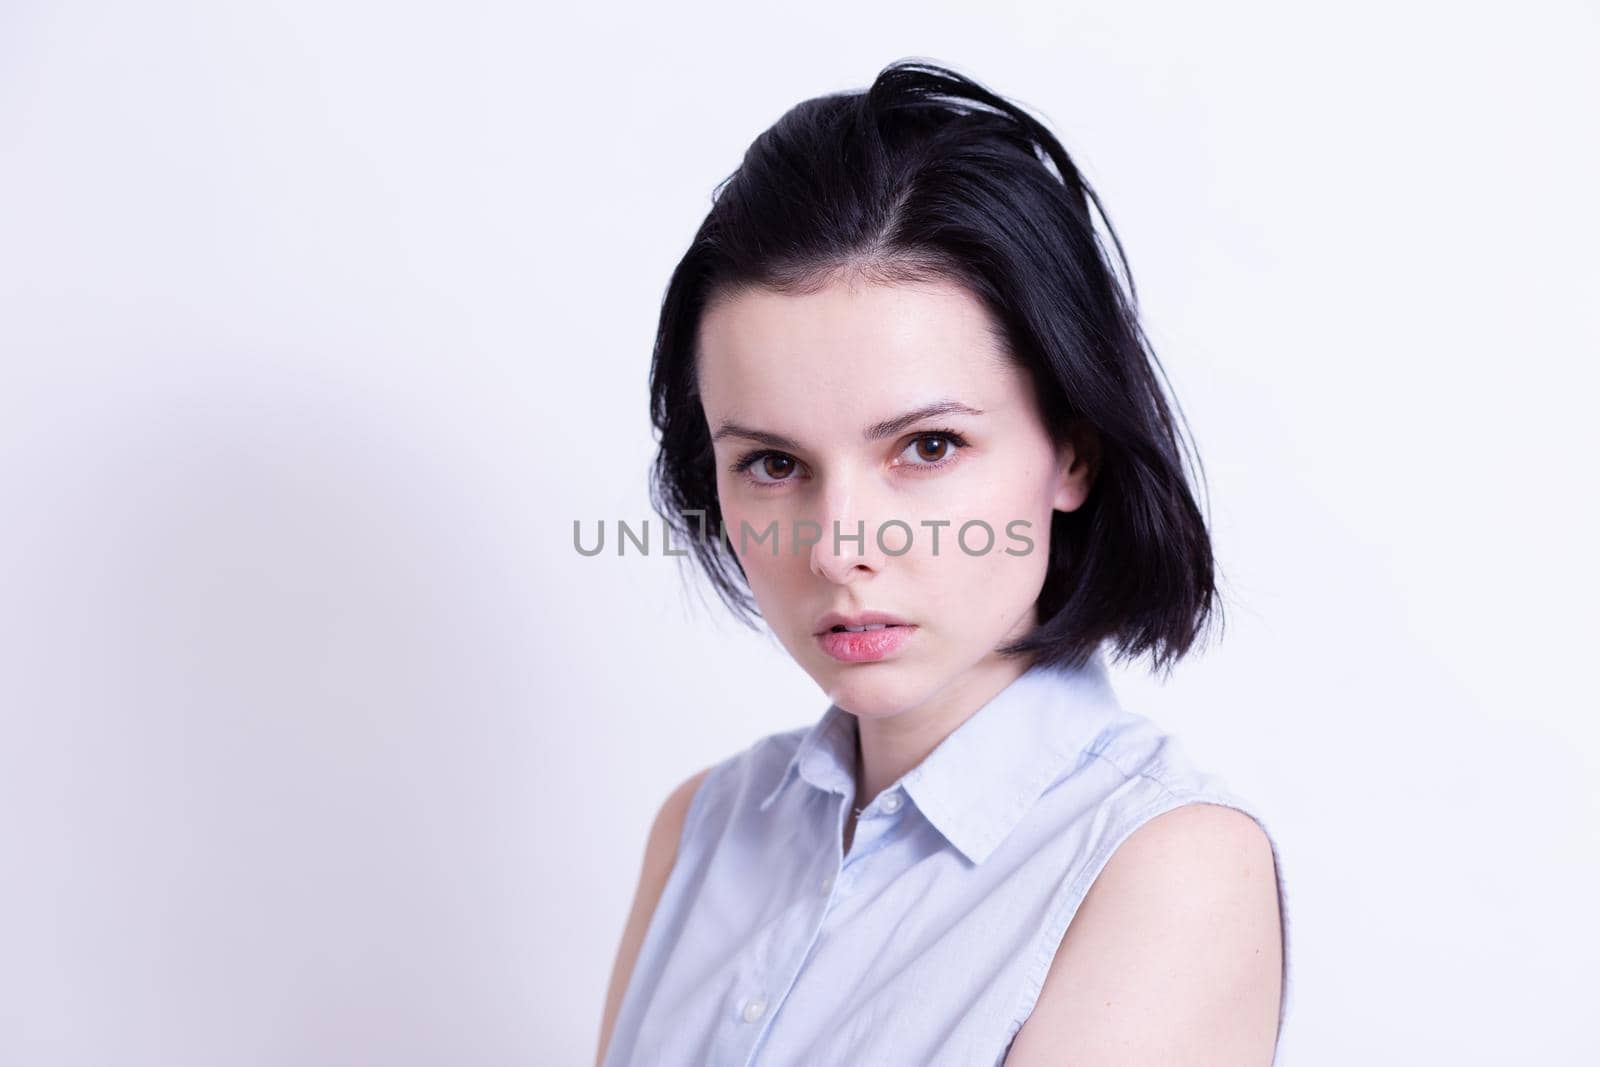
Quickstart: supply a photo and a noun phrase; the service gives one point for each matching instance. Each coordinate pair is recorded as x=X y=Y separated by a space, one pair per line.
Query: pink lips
x=867 y=645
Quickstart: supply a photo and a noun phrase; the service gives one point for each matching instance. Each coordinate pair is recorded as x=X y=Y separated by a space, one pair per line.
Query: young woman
x=907 y=415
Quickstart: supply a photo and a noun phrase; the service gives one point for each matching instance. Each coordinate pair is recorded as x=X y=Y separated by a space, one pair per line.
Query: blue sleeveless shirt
x=929 y=943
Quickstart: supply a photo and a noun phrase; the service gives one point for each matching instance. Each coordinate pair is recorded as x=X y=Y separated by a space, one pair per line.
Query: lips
x=877 y=642
x=838 y=622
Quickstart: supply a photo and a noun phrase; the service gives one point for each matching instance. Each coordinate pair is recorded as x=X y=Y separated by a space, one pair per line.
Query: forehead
x=851 y=348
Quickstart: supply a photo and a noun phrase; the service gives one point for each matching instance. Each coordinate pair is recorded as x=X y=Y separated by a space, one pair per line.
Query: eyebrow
x=876 y=432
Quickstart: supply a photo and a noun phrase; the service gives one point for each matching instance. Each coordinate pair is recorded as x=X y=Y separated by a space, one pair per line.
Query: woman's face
x=807 y=393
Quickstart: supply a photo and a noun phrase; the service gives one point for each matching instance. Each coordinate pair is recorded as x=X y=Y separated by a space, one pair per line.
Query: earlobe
x=1071 y=494
x=1077 y=468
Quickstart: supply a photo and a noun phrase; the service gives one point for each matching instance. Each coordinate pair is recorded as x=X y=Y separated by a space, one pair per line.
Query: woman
x=907 y=415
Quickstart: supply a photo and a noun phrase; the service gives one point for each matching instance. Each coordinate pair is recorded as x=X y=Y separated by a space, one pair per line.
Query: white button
x=891 y=803
x=753 y=1009
x=827 y=885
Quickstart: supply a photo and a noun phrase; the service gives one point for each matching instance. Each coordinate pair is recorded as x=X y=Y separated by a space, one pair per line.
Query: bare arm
x=1174 y=956
x=660 y=852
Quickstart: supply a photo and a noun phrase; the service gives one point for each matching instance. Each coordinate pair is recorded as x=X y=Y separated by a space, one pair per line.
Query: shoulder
x=661 y=846
x=756 y=767
x=1133 y=746
x=667 y=829
x=1175 y=949
x=746 y=773
x=660 y=853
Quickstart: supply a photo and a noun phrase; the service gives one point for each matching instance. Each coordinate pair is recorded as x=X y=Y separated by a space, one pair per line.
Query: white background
x=321 y=322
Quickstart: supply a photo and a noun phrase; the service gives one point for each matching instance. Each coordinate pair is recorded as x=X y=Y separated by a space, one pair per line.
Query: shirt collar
x=985 y=776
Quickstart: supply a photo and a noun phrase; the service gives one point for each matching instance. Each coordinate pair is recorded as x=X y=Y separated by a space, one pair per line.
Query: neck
x=889 y=746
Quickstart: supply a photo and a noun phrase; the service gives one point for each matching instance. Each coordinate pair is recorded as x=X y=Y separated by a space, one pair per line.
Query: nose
x=847 y=549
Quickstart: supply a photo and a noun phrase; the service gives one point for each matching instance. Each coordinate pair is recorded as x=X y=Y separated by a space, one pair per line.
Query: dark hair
x=927 y=174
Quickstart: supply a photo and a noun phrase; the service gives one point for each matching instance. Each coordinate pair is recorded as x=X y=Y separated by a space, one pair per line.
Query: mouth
x=837 y=622
x=867 y=642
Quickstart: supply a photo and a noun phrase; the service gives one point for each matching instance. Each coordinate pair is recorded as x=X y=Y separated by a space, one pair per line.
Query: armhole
x=1070 y=896
x=693 y=814
x=625 y=1006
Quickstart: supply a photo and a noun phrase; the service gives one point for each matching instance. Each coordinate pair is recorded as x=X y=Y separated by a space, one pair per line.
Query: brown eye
x=767 y=469
x=931 y=451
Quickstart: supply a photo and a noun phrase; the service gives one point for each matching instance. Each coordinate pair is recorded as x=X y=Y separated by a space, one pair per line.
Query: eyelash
x=743 y=464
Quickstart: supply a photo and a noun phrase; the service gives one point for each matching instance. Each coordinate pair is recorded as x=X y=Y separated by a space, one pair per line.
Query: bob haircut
x=923 y=175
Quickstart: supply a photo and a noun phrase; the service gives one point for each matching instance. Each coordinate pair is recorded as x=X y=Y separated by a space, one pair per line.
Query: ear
x=1077 y=461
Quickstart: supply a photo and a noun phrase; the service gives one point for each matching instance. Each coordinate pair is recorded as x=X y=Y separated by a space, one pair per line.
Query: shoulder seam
x=1120 y=769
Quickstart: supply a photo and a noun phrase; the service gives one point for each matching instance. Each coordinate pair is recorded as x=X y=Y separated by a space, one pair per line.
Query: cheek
x=1008 y=571
x=1006 y=574
x=751 y=538
x=736 y=514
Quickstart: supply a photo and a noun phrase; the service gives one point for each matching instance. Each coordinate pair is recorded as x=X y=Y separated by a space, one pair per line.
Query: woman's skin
x=819 y=370
x=1174 y=955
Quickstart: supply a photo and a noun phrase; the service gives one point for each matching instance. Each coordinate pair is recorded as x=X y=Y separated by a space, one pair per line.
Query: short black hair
x=927 y=174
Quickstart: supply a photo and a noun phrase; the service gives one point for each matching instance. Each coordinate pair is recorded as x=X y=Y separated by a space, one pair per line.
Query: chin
x=872 y=690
